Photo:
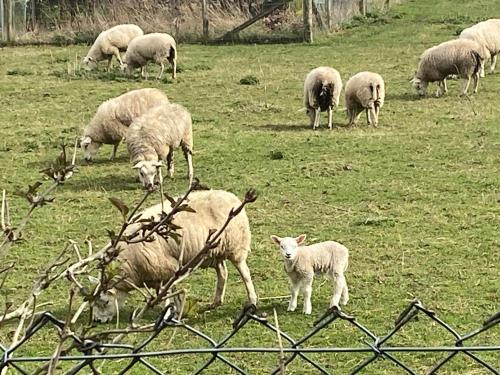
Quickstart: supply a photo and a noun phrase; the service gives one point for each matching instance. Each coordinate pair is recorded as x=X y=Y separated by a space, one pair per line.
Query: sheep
x=154 y=262
x=460 y=56
x=302 y=262
x=487 y=35
x=153 y=138
x=113 y=117
x=109 y=43
x=155 y=46
x=365 y=90
x=322 y=89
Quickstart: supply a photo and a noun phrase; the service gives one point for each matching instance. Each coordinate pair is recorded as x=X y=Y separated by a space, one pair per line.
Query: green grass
x=416 y=200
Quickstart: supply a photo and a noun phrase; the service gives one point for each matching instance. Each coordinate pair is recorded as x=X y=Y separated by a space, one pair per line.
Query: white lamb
x=109 y=43
x=155 y=262
x=462 y=57
x=487 y=35
x=113 y=117
x=157 y=47
x=322 y=89
x=364 y=91
x=302 y=262
x=153 y=138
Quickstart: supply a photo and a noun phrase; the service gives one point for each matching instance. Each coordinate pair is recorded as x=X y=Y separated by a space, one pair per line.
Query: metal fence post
x=307 y=10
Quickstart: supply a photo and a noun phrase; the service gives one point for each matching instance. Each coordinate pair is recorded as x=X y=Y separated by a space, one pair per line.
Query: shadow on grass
x=405 y=96
x=108 y=182
x=294 y=127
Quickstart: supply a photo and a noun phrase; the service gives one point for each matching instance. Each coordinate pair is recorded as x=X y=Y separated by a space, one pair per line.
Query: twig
x=280 y=343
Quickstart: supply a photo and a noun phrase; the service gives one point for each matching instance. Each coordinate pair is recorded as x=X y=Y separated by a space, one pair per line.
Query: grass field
x=416 y=200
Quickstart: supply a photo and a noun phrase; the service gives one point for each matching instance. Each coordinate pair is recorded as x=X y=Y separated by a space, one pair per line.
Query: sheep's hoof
x=214 y=305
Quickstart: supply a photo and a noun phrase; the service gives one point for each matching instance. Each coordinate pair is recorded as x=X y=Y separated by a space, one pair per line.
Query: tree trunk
x=307 y=10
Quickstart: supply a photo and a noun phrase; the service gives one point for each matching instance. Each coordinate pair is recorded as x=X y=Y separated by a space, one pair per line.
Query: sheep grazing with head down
x=155 y=262
x=301 y=263
x=157 y=47
x=364 y=91
x=322 y=89
x=113 y=117
x=487 y=35
x=153 y=138
x=110 y=43
x=462 y=57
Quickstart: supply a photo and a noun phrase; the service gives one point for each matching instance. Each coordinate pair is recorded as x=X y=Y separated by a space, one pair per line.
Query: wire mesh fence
x=290 y=350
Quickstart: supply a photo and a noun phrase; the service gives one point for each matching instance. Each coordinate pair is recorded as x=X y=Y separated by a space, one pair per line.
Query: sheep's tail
x=478 y=59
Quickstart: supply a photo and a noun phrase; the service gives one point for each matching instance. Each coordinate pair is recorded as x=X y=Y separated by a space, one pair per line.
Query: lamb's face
x=288 y=245
x=147 y=173
x=419 y=86
x=89 y=147
x=89 y=63
x=104 y=308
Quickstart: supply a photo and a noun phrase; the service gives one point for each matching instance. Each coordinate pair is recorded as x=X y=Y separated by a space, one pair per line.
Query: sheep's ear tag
x=300 y=239
x=275 y=239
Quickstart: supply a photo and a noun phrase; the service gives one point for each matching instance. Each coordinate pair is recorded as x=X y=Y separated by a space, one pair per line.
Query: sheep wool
x=322 y=89
x=364 y=91
x=113 y=117
x=487 y=35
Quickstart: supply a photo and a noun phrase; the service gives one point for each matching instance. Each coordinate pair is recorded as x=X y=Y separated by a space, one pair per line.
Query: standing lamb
x=155 y=262
x=109 y=43
x=462 y=57
x=153 y=138
x=487 y=35
x=113 y=117
x=302 y=262
x=364 y=91
x=321 y=93
x=157 y=47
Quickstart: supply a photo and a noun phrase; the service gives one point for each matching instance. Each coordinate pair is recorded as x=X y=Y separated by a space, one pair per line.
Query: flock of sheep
x=153 y=128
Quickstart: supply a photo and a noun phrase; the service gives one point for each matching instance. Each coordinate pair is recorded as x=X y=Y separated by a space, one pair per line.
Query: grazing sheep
x=155 y=262
x=462 y=57
x=153 y=138
x=113 y=117
x=302 y=262
x=364 y=91
x=109 y=43
x=158 y=47
x=487 y=35
x=321 y=93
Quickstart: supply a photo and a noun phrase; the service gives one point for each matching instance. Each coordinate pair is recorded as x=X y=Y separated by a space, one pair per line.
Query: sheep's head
x=89 y=147
x=289 y=245
x=106 y=304
x=147 y=170
x=420 y=86
x=89 y=63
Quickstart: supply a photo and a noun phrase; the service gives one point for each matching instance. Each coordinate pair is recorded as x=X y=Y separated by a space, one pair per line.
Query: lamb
x=155 y=262
x=364 y=91
x=113 y=117
x=462 y=57
x=302 y=262
x=109 y=43
x=487 y=35
x=322 y=89
x=153 y=138
x=157 y=47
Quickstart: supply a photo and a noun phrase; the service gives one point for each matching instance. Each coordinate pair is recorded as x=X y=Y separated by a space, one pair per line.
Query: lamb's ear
x=275 y=239
x=138 y=165
x=300 y=239
x=93 y=280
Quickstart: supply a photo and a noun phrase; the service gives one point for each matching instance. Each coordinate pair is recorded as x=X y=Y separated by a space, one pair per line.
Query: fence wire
x=92 y=350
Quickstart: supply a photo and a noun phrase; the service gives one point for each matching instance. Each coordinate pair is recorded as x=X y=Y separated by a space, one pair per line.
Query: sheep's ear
x=300 y=239
x=138 y=165
x=93 y=280
x=157 y=163
x=84 y=141
x=276 y=239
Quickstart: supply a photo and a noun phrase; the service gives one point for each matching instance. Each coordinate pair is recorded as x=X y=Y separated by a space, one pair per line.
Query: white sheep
x=462 y=57
x=109 y=43
x=487 y=35
x=113 y=117
x=302 y=262
x=157 y=47
x=322 y=89
x=155 y=262
x=153 y=138
x=364 y=91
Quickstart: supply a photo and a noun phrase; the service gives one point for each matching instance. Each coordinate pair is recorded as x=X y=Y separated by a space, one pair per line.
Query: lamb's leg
x=466 y=86
x=330 y=116
x=161 y=70
x=307 y=285
x=316 y=118
x=242 y=268
x=115 y=147
x=220 y=289
x=170 y=163
x=493 y=63
x=294 y=290
x=339 y=288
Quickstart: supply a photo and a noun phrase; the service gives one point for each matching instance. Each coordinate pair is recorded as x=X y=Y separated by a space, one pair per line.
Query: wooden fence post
x=8 y=20
x=362 y=7
x=205 y=19
x=328 y=9
x=307 y=10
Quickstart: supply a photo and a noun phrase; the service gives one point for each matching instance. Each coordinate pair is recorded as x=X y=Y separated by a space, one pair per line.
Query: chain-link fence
x=290 y=349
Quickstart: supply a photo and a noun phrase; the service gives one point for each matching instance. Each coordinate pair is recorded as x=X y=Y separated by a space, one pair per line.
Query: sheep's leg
x=475 y=77
x=116 y=53
x=188 y=154
x=345 y=295
x=439 y=90
x=115 y=147
x=307 y=295
x=316 y=118
x=242 y=268
x=173 y=62
x=144 y=73
x=311 y=115
x=368 y=119
x=220 y=289
x=170 y=163
x=330 y=116
x=445 y=86
x=466 y=86
x=493 y=63
x=373 y=116
x=294 y=290
x=161 y=70
x=339 y=284
x=110 y=58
